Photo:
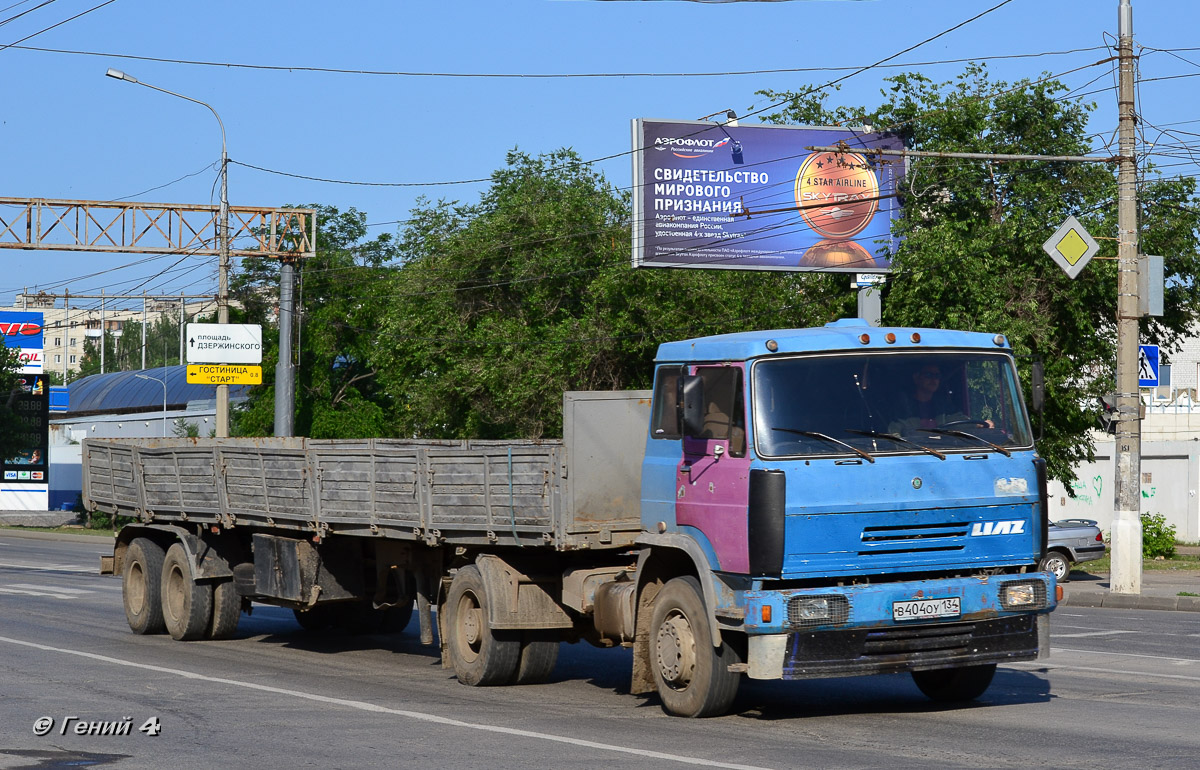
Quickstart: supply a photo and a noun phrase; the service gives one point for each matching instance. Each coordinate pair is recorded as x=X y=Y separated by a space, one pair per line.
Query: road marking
x=1094 y=670
x=51 y=591
x=1121 y=654
x=51 y=568
x=1092 y=633
x=372 y=707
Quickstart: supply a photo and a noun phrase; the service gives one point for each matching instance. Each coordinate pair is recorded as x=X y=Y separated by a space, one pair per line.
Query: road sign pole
x=285 y=372
x=1127 y=524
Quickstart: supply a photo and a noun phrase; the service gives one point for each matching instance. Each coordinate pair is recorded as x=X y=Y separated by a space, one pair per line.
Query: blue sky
x=68 y=132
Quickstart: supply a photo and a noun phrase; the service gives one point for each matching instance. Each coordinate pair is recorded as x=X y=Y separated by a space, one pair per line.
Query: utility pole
x=1127 y=523
x=223 y=280
x=285 y=372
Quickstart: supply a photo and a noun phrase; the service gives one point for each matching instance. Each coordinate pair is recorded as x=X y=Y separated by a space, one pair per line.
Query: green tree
x=971 y=257
x=502 y=305
x=340 y=295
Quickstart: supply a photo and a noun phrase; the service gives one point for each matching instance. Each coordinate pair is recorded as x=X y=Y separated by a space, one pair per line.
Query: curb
x=33 y=535
x=1109 y=600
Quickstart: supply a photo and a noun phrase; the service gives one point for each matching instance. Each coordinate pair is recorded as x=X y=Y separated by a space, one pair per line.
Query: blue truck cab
x=855 y=500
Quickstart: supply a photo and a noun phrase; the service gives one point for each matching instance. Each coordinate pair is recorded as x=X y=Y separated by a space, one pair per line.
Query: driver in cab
x=923 y=406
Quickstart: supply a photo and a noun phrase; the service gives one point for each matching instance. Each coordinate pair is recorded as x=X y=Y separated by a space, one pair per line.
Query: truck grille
x=891 y=641
x=913 y=538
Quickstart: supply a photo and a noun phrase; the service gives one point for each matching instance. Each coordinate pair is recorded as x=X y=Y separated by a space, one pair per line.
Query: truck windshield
x=893 y=403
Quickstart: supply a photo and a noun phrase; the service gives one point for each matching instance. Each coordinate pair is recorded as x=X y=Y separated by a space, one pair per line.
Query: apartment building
x=67 y=326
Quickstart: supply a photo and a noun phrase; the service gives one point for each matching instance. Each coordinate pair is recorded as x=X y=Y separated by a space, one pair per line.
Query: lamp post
x=222 y=238
x=164 y=387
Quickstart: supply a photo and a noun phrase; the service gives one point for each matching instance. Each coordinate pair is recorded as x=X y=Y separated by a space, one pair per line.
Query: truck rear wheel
x=539 y=655
x=953 y=685
x=692 y=676
x=186 y=604
x=480 y=656
x=141 y=586
x=226 y=610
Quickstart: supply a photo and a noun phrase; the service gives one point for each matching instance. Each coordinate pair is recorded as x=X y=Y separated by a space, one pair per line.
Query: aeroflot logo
x=19 y=328
x=687 y=146
x=998 y=528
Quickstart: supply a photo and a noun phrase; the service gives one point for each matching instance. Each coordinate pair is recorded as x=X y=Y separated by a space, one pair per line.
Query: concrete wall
x=1170 y=480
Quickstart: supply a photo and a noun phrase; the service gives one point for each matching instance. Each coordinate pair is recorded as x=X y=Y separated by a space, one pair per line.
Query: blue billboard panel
x=23 y=330
x=714 y=195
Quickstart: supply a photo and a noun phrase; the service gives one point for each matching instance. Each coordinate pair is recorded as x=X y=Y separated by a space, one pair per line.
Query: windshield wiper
x=830 y=439
x=964 y=434
x=897 y=439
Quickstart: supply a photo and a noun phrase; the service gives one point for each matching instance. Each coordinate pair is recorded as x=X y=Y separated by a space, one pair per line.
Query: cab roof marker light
x=889 y=338
x=915 y=337
x=999 y=340
x=864 y=338
x=772 y=345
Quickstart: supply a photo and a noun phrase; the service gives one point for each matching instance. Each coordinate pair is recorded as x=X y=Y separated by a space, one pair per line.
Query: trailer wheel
x=480 y=656
x=141 y=586
x=953 y=685
x=692 y=676
x=186 y=605
x=539 y=655
x=226 y=610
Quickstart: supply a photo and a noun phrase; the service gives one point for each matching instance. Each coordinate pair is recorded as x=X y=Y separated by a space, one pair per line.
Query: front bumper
x=861 y=636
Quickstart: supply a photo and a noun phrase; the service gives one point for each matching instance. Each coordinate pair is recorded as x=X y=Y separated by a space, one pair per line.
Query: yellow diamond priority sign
x=1071 y=247
x=223 y=374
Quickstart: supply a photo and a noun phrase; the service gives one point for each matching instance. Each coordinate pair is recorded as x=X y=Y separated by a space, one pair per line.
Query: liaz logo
x=998 y=528
x=19 y=328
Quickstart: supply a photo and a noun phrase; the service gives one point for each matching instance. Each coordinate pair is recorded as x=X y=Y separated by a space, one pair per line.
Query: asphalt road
x=1122 y=688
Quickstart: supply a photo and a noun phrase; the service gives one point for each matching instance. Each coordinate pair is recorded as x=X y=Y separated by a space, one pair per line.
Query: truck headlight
x=809 y=611
x=1023 y=596
x=810 y=608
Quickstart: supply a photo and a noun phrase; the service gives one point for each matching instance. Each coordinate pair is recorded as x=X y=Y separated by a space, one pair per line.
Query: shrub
x=1158 y=537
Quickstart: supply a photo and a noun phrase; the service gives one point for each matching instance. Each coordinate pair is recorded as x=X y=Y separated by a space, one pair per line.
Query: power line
x=59 y=24
x=538 y=76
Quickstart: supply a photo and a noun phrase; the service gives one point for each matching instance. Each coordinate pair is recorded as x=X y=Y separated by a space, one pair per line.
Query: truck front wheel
x=141 y=586
x=186 y=604
x=953 y=685
x=480 y=656
x=692 y=675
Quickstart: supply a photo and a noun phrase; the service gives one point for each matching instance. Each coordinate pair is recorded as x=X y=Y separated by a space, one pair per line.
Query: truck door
x=712 y=480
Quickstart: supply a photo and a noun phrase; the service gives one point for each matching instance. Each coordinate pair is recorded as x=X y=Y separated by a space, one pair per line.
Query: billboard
x=25 y=484
x=712 y=195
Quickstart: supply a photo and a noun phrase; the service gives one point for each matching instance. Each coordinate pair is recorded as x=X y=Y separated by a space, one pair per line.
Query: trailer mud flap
x=295 y=571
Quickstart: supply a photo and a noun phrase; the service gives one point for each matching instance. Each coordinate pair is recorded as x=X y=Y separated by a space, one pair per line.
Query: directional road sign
x=1071 y=247
x=224 y=344
x=1148 y=366
x=218 y=374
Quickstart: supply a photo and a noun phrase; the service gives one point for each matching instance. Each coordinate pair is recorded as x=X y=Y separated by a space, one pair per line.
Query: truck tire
x=539 y=655
x=226 y=610
x=480 y=656
x=186 y=604
x=954 y=685
x=141 y=586
x=1057 y=564
x=692 y=676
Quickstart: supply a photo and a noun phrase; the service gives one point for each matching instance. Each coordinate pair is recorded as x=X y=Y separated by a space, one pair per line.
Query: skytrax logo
x=998 y=528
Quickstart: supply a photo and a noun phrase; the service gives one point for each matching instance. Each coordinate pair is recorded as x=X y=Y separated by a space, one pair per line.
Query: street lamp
x=164 y=386
x=223 y=240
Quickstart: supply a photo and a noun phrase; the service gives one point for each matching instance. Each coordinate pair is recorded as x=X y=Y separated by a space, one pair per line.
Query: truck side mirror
x=691 y=404
x=1038 y=388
